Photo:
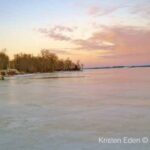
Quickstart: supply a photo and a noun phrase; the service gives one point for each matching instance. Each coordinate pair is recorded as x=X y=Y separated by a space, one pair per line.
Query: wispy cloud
x=142 y=8
x=118 y=40
x=62 y=28
x=58 y=32
x=91 y=44
x=102 y=10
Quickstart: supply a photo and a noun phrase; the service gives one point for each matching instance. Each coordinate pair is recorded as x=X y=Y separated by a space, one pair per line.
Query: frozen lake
x=71 y=110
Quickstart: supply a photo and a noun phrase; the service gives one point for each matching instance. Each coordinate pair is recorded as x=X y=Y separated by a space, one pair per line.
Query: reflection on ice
x=70 y=110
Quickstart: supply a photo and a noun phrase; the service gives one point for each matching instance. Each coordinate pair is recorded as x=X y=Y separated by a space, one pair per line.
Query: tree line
x=44 y=62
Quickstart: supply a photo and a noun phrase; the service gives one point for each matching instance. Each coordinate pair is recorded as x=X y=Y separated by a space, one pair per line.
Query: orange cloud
x=58 y=51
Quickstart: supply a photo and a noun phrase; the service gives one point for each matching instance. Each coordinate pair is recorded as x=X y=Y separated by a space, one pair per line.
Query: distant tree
x=44 y=62
x=4 y=59
x=60 y=65
x=68 y=64
x=49 y=60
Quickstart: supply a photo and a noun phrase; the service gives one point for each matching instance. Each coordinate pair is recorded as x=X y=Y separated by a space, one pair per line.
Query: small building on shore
x=1 y=77
x=9 y=72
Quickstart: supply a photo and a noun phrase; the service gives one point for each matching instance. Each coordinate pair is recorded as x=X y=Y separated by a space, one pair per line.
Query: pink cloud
x=91 y=44
x=131 y=44
x=124 y=44
x=131 y=39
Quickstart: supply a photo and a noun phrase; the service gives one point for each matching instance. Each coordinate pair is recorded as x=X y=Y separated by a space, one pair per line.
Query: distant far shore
x=113 y=67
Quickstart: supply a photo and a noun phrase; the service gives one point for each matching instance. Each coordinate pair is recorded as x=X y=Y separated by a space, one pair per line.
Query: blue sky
x=20 y=21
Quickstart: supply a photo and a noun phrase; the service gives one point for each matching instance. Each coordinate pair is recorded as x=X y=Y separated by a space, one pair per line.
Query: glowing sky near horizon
x=96 y=32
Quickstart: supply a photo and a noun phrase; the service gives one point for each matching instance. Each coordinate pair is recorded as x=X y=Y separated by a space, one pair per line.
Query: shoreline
x=14 y=72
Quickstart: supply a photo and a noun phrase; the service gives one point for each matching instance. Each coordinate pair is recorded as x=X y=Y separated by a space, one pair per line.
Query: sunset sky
x=96 y=32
